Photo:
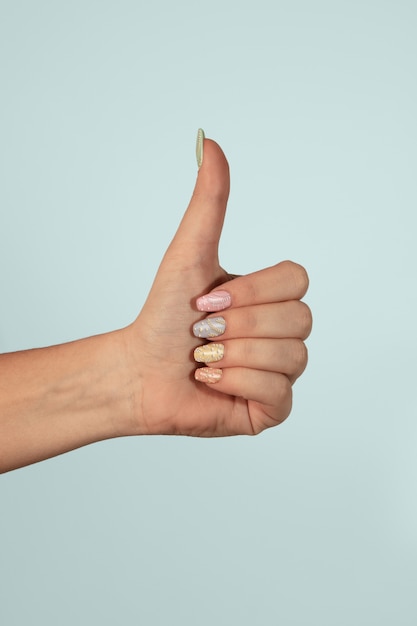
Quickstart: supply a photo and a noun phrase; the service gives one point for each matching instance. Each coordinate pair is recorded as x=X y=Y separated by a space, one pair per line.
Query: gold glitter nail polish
x=209 y=353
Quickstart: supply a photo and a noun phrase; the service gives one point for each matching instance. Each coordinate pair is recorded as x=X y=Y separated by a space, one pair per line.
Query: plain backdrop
x=314 y=103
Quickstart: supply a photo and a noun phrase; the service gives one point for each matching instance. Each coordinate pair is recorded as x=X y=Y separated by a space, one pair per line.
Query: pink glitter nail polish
x=214 y=301
x=208 y=374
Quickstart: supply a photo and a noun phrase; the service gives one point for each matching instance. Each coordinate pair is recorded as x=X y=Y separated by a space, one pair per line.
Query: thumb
x=202 y=223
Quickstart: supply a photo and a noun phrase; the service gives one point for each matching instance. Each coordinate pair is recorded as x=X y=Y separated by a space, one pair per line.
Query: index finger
x=279 y=283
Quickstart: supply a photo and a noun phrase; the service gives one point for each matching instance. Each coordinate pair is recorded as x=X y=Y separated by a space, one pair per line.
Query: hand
x=262 y=351
x=142 y=379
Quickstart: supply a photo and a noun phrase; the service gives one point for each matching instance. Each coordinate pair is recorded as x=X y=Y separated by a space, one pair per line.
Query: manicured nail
x=208 y=375
x=214 y=301
x=210 y=327
x=209 y=353
x=199 y=149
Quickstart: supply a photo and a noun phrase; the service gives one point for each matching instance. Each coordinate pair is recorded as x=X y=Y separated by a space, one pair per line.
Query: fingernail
x=208 y=375
x=214 y=301
x=199 y=149
x=210 y=327
x=209 y=353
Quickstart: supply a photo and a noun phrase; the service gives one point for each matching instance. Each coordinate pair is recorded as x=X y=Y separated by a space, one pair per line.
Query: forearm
x=55 y=399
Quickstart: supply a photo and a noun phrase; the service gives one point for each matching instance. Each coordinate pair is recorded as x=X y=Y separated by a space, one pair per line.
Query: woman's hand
x=245 y=370
x=148 y=378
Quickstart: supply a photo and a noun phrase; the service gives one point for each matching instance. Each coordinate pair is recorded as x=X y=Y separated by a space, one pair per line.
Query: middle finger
x=276 y=320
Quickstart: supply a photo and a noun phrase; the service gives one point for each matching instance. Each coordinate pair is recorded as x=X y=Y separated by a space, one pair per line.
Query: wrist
x=129 y=346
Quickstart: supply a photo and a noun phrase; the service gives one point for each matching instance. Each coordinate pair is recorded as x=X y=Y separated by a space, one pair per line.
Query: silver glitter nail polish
x=209 y=327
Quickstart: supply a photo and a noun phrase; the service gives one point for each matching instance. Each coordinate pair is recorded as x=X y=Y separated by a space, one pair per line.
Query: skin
x=139 y=380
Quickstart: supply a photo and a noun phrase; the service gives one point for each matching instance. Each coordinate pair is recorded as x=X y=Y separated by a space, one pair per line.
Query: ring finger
x=286 y=356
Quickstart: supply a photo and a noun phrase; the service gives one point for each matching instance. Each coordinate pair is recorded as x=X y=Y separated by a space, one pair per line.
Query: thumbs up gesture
x=211 y=354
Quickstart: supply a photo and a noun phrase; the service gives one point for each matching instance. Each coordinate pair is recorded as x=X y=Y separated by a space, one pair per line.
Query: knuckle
x=249 y=320
x=299 y=277
x=279 y=406
x=300 y=356
x=249 y=289
x=247 y=350
x=305 y=320
x=283 y=390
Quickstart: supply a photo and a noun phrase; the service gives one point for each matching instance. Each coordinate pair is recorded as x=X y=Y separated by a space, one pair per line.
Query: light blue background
x=315 y=106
